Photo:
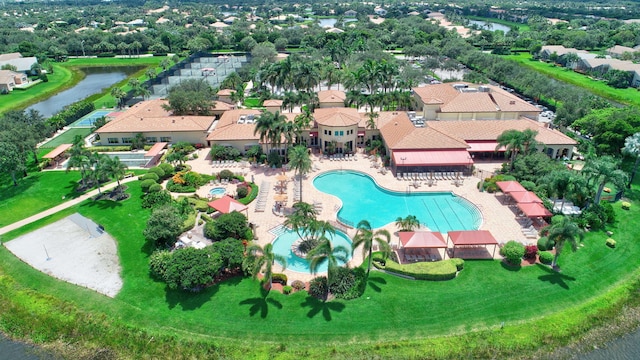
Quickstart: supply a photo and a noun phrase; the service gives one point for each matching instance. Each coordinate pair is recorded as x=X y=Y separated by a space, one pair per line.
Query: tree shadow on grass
x=555 y=277
x=104 y=204
x=374 y=282
x=325 y=307
x=510 y=267
x=189 y=300
x=261 y=303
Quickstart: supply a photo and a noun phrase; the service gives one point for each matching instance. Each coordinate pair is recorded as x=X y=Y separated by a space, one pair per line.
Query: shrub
x=545 y=257
x=359 y=285
x=626 y=205
x=155 y=188
x=156 y=199
x=225 y=174
x=543 y=244
x=342 y=280
x=242 y=191
x=191 y=269
x=145 y=184
x=287 y=290
x=167 y=168
x=530 y=252
x=233 y=225
x=279 y=278
x=459 y=263
x=150 y=176
x=513 y=252
x=529 y=185
x=298 y=285
x=231 y=252
x=611 y=243
x=158 y=171
x=158 y=263
x=318 y=287
x=251 y=196
x=179 y=188
x=433 y=271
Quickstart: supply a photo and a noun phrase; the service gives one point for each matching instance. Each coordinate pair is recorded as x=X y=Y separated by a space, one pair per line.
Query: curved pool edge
x=326 y=172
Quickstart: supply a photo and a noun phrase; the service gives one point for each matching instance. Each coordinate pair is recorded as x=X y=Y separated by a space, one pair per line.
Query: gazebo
x=510 y=186
x=525 y=197
x=57 y=154
x=413 y=240
x=227 y=204
x=534 y=210
x=474 y=238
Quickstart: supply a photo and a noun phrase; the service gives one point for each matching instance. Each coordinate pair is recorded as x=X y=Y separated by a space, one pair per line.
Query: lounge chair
x=399 y=176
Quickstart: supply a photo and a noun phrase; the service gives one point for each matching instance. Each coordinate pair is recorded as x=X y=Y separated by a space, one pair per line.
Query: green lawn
x=37 y=192
x=66 y=137
x=629 y=96
x=394 y=317
x=22 y=98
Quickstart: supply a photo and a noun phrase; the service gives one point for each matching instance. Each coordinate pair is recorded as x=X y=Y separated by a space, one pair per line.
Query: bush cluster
x=71 y=113
x=298 y=285
x=251 y=195
x=318 y=287
x=530 y=252
x=433 y=271
x=545 y=257
x=287 y=289
x=279 y=278
x=219 y=152
x=513 y=252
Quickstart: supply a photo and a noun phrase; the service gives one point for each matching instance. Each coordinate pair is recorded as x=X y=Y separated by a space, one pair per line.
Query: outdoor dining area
x=281 y=198
x=418 y=246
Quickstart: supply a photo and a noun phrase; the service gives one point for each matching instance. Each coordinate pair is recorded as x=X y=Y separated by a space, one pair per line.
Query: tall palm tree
x=632 y=148
x=118 y=94
x=264 y=123
x=302 y=122
x=564 y=231
x=116 y=169
x=365 y=237
x=300 y=162
x=516 y=141
x=263 y=259
x=409 y=223
x=99 y=165
x=602 y=170
x=303 y=214
x=79 y=159
x=326 y=252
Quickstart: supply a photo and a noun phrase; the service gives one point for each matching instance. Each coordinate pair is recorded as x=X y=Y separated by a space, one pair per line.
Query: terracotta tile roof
x=225 y=92
x=331 y=96
x=150 y=116
x=272 y=102
x=400 y=133
x=491 y=129
x=227 y=128
x=336 y=116
x=452 y=100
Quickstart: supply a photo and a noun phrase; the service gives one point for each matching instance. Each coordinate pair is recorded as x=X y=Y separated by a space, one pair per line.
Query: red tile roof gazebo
x=227 y=204
x=472 y=238
x=421 y=239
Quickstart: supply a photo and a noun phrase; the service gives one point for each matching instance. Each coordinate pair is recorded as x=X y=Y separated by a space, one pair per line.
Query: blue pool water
x=363 y=199
x=89 y=119
x=217 y=191
x=282 y=246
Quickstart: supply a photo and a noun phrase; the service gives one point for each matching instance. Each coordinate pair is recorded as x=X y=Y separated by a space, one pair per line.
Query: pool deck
x=498 y=218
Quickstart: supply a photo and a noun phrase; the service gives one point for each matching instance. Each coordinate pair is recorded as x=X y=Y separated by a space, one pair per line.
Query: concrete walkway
x=62 y=206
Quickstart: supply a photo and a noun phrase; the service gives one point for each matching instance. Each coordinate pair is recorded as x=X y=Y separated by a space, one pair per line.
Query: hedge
x=252 y=195
x=434 y=271
x=279 y=278
x=109 y=148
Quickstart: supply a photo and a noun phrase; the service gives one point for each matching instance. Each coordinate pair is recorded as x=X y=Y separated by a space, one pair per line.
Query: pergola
x=534 y=210
x=525 y=197
x=422 y=240
x=58 y=152
x=472 y=238
x=227 y=204
x=510 y=186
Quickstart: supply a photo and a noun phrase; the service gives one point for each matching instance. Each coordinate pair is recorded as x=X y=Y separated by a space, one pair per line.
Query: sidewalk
x=62 y=206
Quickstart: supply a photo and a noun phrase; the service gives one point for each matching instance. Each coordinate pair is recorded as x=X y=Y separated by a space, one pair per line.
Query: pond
x=16 y=350
x=330 y=22
x=485 y=25
x=96 y=79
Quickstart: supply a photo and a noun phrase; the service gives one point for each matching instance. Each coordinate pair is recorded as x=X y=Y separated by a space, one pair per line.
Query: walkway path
x=62 y=206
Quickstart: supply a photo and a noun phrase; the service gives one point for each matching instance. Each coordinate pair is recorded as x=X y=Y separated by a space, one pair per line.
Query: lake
x=96 y=79
x=624 y=348
x=330 y=22
x=15 y=350
x=492 y=26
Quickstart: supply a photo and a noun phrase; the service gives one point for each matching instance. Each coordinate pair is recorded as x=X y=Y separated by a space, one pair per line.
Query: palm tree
x=300 y=162
x=264 y=123
x=602 y=170
x=116 y=169
x=99 y=165
x=302 y=122
x=365 y=236
x=118 y=94
x=632 y=148
x=303 y=214
x=151 y=73
x=263 y=258
x=564 y=231
x=372 y=118
x=79 y=159
x=516 y=141
x=408 y=223
x=326 y=252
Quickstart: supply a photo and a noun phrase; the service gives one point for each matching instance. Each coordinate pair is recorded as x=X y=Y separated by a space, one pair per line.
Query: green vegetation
x=627 y=96
x=435 y=271
x=66 y=137
x=62 y=78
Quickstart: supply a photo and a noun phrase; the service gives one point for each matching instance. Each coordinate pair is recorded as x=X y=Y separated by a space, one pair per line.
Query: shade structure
x=282 y=177
x=280 y=197
x=155 y=149
x=534 y=210
x=57 y=151
x=432 y=158
x=525 y=197
x=227 y=204
x=421 y=239
x=484 y=146
x=510 y=186
x=472 y=237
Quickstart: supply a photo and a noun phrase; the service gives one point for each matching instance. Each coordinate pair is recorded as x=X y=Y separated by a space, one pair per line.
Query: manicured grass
x=18 y=99
x=395 y=316
x=37 y=192
x=629 y=96
x=251 y=102
x=66 y=137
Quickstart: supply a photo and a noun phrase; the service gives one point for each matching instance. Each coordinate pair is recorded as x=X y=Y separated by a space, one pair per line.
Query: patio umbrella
x=280 y=198
x=282 y=177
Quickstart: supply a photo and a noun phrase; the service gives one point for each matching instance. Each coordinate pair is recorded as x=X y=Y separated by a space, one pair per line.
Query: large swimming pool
x=282 y=246
x=363 y=199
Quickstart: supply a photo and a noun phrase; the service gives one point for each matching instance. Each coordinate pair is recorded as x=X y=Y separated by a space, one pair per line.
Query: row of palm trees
x=95 y=168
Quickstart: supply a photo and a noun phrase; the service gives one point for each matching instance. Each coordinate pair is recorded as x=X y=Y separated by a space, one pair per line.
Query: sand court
x=74 y=249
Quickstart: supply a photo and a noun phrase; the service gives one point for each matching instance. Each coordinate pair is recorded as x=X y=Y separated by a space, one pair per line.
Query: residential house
x=617 y=51
x=548 y=50
x=465 y=101
x=272 y=105
x=9 y=79
x=350 y=13
x=22 y=64
x=602 y=66
x=236 y=128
